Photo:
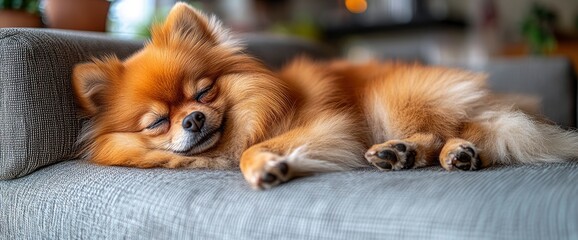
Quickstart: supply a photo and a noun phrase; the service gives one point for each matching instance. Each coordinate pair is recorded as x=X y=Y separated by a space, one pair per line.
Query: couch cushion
x=38 y=121
x=77 y=200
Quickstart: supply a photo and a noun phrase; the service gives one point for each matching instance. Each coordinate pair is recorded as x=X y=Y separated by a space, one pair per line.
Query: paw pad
x=465 y=157
x=392 y=155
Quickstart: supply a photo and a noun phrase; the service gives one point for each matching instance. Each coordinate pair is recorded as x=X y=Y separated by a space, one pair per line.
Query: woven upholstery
x=38 y=119
x=77 y=200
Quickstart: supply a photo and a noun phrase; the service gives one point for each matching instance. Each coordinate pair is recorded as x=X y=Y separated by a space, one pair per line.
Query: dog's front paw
x=392 y=155
x=463 y=156
x=267 y=170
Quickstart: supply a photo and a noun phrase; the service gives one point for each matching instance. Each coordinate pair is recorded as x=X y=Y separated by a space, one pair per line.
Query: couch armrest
x=38 y=121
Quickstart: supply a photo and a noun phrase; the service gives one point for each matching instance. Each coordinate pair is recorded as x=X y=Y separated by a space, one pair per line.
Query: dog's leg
x=325 y=145
x=418 y=150
x=507 y=137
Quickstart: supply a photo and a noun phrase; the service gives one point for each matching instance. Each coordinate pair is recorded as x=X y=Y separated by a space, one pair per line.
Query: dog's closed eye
x=206 y=95
x=158 y=122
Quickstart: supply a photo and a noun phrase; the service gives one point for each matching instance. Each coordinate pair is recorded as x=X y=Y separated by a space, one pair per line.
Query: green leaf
x=31 y=6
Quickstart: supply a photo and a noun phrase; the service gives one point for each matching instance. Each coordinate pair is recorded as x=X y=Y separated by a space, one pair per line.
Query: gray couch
x=47 y=194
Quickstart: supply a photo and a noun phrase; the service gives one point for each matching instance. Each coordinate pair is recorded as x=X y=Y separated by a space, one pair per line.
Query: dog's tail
x=515 y=137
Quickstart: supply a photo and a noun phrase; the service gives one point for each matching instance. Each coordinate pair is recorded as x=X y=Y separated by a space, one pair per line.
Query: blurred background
x=448 y=32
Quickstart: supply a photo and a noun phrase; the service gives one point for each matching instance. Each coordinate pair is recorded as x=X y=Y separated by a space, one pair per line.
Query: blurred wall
x=511 y=13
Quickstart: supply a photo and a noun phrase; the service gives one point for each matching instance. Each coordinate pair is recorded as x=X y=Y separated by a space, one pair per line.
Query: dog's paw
x=463 y=157
x=269 y=170
x=392 y=155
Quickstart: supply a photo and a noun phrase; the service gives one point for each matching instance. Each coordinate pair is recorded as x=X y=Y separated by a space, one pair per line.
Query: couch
x=45 y=193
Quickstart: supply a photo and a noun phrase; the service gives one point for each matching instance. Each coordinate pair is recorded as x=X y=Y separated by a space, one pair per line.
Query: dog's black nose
x=194 y=122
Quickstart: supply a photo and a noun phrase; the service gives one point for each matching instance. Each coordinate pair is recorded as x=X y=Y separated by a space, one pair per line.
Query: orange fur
x=309 y=117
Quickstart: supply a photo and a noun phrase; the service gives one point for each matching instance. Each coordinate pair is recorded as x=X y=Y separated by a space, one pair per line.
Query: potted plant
x=87 y=15
x=19 y=13
x=538 y=29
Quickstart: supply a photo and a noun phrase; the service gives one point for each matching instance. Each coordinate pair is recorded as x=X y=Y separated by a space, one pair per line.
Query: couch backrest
x=551 y=79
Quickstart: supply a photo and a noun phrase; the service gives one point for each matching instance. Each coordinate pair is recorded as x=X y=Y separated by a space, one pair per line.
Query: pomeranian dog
x=191 y=98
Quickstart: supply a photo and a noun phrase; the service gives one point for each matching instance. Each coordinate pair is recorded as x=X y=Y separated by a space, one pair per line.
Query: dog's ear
x=90 y=81
x=187 y=24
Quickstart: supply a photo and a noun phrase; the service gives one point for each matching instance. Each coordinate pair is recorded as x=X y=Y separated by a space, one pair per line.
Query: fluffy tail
x=514 y=137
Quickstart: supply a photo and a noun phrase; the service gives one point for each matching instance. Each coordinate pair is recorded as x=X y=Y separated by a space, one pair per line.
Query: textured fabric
x=551 y=79
x=77 y=200
x=38 y=121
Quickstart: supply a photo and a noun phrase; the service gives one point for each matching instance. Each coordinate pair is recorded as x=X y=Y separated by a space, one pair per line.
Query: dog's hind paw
x=462 y=156
x=392 y=155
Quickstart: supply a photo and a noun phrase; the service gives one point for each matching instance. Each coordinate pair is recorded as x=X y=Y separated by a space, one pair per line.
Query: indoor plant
x=538 y=29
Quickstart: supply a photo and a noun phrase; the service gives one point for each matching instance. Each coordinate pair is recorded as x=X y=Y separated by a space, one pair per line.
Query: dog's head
x=187 y=91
